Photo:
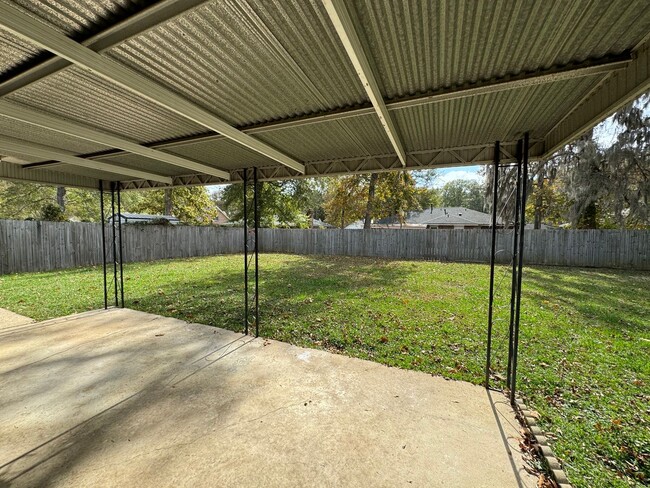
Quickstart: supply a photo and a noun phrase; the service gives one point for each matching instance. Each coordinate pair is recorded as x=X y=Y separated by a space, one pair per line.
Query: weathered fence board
x=42 y=246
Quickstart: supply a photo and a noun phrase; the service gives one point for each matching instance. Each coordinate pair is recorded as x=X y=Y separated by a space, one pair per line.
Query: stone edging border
x=541 y=445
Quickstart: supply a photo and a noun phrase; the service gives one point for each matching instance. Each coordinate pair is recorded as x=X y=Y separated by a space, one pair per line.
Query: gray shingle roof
x=443 y=216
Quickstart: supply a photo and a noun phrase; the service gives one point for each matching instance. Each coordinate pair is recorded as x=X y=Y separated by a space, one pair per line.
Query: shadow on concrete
x=71 y=391
x=499 y=405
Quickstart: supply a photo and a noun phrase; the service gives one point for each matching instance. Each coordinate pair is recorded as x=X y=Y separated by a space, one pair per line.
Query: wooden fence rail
x=42 y=246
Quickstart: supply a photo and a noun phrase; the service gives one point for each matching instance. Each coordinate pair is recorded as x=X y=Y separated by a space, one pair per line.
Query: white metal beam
x=346 y=30
x=18 y=146
x=41 y=119
x=150 y=16
x=620 y=88
x=15 y=21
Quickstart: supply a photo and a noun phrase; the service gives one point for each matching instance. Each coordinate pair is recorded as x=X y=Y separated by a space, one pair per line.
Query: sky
x=468 y=173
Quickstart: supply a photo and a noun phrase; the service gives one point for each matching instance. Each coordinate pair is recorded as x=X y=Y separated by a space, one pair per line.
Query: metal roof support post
x=103 y=223
x=245 y=184
x=522 y=225
x=515 y=248
x=256 y=212
x=113 y=238
x=121 y=247
x=495 y=183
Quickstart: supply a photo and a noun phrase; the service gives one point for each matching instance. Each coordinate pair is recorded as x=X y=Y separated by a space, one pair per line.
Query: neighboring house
x=319 y=224
x=132 y=218
x=221 y=218
x=450 y=218
x=435 y=218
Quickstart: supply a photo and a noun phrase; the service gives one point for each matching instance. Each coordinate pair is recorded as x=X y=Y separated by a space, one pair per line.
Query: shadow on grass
x=613 y=298
x=360 y=307
x=219 y=300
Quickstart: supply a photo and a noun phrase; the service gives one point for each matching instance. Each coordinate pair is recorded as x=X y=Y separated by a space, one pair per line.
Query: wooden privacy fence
x=43 y=246
x=587 y=248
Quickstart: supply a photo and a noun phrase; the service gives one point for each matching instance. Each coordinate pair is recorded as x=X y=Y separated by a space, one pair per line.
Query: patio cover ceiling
x=186 y=92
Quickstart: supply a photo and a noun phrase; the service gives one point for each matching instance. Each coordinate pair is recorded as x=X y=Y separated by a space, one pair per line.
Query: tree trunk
x=367 y=223
x=168 y=201
x=588 y=219
x=539 y=202
x=60 y=197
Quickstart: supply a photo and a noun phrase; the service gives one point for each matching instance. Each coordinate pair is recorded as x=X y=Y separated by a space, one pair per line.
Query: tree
x=191 y=205
x=428 y=197
x=586 y=185
x=463 y=193
x=52 y=212
x=24 y=200
x=374 y=196
x=370 y=205
x=60 y=197
x=548 y=203
x=396 y=195
x=346 y=200
x=282 y=203
x=628 y=160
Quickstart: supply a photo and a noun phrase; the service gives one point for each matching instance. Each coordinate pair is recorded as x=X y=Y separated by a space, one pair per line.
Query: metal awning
x=185 y=92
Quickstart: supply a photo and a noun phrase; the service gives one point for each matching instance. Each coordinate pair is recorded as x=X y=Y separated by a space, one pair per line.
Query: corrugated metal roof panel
x=28 y=132
x=261 y=60
x=422 y=46
x=12 y=171
x=487 y=118
x=91 y=173
x=80 y=16
x=221 y=153
x=356 y=136
x=14 y=51
x=248 y=62
x=85 y=97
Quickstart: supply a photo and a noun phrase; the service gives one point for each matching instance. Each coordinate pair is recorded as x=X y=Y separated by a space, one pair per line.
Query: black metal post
x=515 y=247
x=114 y=240
x=245 y=178
x=522 y=224
x=103 y=221
x=495 y=191
x=256 y=212
x=119 y=228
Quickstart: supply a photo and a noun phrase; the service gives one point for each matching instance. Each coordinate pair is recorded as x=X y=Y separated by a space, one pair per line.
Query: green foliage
x=24 y=200
x=599 y=187
x=396 y=195
x=53 y=213
x=191 y=205
x=282 y=203
x=462 y=193
x=346 y=199
x=428 y=197
x=82 y=205
x=551 y=202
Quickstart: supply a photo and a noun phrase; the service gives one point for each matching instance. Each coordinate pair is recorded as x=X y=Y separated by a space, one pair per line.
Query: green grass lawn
x=584 y=349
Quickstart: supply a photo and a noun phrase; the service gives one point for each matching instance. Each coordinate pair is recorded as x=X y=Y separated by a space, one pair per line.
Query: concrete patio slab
x=10 y=319
x=124 y=398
